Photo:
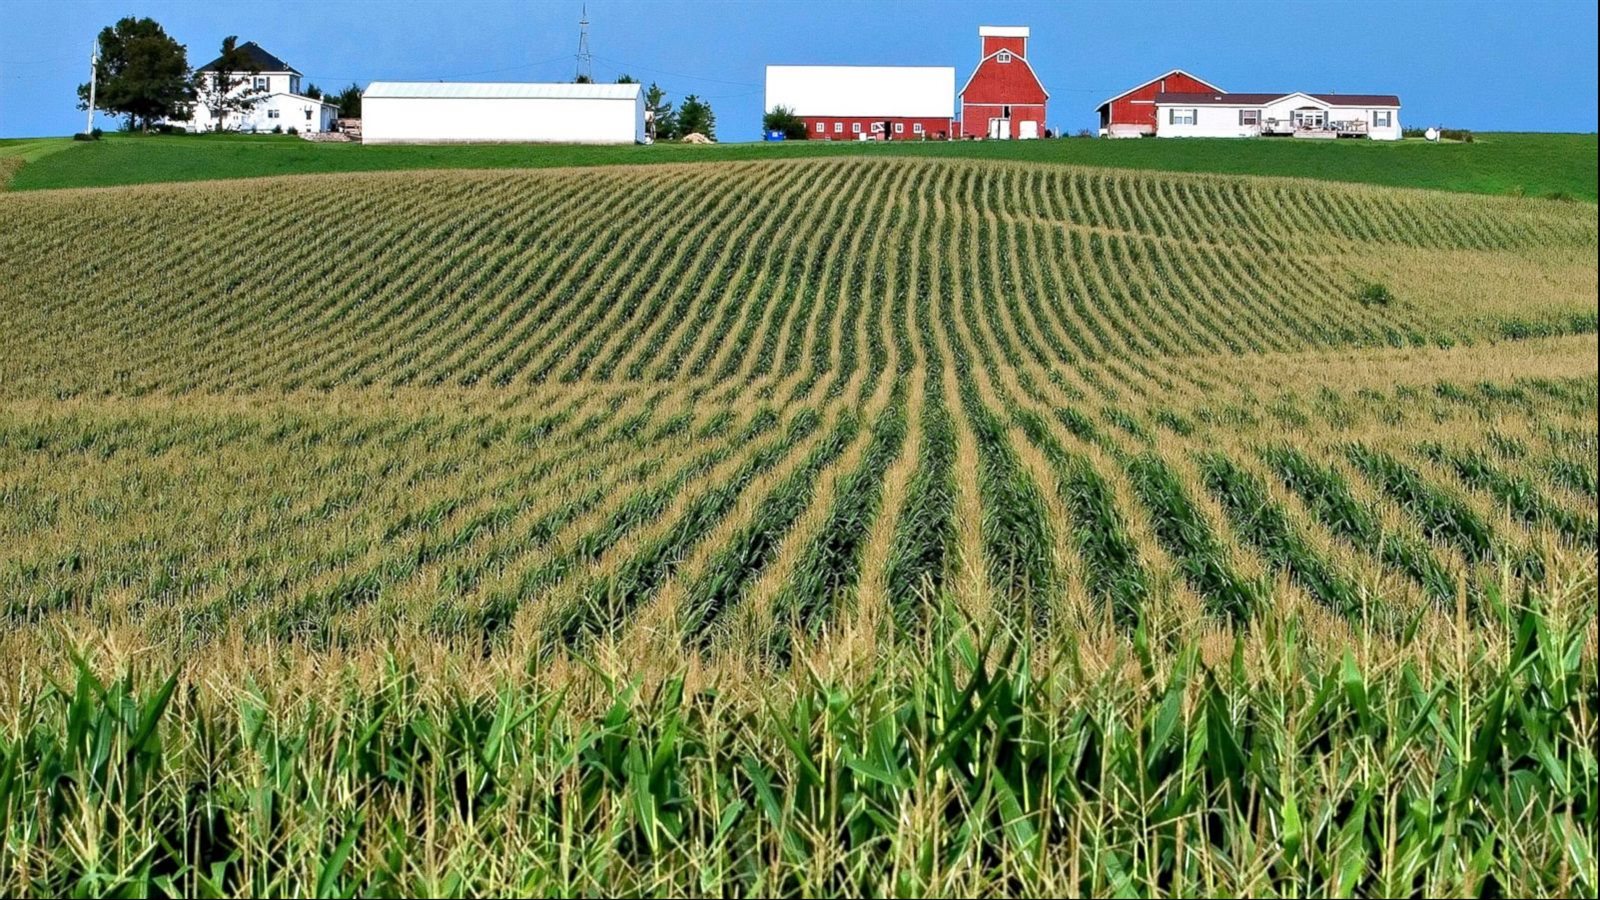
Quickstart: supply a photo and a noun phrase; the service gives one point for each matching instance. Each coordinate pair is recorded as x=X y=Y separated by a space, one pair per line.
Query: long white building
x=433 y=112
x=1218 y=114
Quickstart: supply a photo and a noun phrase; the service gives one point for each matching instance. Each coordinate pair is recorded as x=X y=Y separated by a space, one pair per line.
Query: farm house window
x=1004 y=56
x=261 y=83
x=899 y=128
x=1182 y=117
x=1309 y=118
x=272 y=114
x=1381 y=118
x=822 y=128
x=916 y=128
x=838 y=128
x=855 y=127
x=877 y=128
x=1250 y=117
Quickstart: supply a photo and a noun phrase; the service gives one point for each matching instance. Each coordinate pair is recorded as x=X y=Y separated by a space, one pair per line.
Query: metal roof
x=499 y=90
x=863 y=91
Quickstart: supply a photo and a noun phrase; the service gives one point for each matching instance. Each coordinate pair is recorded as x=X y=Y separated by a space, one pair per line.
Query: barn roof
x=499 y=90
x=863 y=91
x=1020 y=31
x=259 y=59
x=1246 y=99
x=991 y=58
x=1161 y=77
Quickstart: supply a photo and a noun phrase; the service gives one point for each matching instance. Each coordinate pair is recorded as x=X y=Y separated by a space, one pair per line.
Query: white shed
x=435 y=112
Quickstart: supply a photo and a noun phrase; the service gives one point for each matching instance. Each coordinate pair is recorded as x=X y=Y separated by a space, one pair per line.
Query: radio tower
x=585 y=60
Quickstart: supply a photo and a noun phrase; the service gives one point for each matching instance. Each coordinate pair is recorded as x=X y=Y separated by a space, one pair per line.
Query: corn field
x=843 y=526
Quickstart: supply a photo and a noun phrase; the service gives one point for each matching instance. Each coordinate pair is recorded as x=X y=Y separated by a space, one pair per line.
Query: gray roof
x=499 y=90
x=259 y=59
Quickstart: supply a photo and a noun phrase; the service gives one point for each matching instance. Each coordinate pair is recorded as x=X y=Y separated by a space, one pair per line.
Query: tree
x=313 y=91
x=660 y=112
x=142 y=73
x=583 y=79
x=626 y=79
x=782 y=118
x=228 y=87
x=695 y=116
x=348 y=101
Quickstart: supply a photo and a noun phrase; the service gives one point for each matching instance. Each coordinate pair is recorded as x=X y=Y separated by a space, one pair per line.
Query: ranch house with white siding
x=1301 y=115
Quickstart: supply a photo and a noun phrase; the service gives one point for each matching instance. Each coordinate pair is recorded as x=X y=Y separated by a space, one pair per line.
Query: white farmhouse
x=433 y=112
x=1217 y=114
x=279 y=103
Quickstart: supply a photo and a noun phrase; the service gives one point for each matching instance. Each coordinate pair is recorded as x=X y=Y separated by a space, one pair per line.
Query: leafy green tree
x=228 y=86
x=142 y=73
x=583 y=79
x=626 y=79
x=782 y=118
x=661 y=113
x=695 y=116
x=313 y=91
x=348 y=101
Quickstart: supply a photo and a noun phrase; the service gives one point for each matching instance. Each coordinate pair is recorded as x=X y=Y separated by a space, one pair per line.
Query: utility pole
x=585 y=61
x=94 y=72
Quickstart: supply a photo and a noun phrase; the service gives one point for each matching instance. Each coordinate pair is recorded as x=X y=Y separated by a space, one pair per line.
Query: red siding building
x=857 y=103
x=878 y=128
x=1133 y=113
x=1004 y=98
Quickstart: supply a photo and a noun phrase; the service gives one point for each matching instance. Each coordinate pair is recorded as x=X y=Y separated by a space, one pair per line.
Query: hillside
x=683 y=477
x=1533 y=165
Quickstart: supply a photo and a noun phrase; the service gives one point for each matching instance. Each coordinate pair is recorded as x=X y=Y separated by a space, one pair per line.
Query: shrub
x=277 y=129
x=1373 y=293
x=782 y=118
x=87 y=136
x=292 y=130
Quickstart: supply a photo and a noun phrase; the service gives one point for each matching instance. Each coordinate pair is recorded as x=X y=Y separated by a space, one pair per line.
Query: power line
x=629 y=66
x=37 y=62
x=585 y=58
x=542 y=62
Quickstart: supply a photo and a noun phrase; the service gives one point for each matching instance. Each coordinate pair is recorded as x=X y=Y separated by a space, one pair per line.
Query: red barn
x=1133 y=113
x=1004 y=98
x=880 y=103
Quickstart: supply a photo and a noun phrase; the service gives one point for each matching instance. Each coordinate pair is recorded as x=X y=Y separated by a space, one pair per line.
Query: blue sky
x=1503 y=65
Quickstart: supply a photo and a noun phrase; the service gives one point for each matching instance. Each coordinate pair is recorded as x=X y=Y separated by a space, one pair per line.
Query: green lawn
x=1496 y=163
x=18 y=152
